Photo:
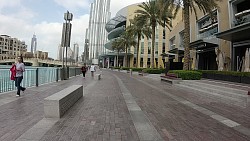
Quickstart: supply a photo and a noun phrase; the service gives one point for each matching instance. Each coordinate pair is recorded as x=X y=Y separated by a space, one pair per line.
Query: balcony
x=172 y=47
x=242 y=17
x=207 y=33
x=181 y=46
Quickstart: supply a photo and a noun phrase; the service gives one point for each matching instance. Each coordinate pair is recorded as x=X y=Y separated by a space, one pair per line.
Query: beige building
x=228 y=32
x=10 y=47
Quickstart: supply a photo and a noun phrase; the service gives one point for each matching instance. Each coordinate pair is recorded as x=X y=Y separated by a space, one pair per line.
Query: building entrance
x=207 y=60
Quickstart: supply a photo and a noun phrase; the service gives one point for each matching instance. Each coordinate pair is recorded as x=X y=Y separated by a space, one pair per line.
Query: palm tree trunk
x=153 y=46
x=137 y=56
x=117 y=59
x=126 y=57
x=186 y=35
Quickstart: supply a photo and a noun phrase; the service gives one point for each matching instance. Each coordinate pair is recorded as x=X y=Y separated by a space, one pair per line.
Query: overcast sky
x=22 y=18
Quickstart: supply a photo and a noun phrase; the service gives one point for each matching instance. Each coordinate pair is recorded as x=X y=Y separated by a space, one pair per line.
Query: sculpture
x=223 y=62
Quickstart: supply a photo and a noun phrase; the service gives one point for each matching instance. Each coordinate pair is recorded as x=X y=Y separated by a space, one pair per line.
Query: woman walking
x=84 y=70
x=92 y=70
x=20 y=68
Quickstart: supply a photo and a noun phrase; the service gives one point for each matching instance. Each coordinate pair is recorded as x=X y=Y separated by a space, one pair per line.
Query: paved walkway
x=122 y=107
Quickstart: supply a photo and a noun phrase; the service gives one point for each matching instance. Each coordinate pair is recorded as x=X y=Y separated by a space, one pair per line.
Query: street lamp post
x=66 y=37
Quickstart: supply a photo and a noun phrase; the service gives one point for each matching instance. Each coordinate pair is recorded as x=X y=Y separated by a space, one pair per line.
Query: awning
x=176 y=51
x=167 y=54
x=201 y=44
x=238 y=33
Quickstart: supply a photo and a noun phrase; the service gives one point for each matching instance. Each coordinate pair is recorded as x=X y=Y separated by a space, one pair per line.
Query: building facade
x=76 y=52
x=10 y=47
x=33 y=46
x=97 y=35
x=59 y=53
x=228 y=31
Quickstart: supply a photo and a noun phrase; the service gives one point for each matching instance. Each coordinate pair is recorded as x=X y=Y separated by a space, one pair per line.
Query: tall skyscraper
x=33 y=44
x=76 y=52
x=97 y=35
x=59 y=53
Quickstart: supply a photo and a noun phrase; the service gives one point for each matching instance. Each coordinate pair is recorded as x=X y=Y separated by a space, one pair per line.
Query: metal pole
x=37 y=77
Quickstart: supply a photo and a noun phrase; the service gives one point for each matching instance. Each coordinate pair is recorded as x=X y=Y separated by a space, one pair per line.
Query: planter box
x=235 y=79
x=210 y=76
x=204 y=75
x=218 y=76
x=245 y=79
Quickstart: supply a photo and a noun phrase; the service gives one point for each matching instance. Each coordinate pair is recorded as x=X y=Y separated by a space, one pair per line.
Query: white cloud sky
x=17 y=22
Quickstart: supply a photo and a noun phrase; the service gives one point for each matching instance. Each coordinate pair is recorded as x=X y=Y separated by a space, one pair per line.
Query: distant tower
x=33 y=44
x=76 y=52
x=97 y=35
x=59 y=53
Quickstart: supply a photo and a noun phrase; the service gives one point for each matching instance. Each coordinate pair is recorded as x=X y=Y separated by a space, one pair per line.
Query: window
x=149 y=47
x=142 y=47
x=157 y=34
x=156 y=47
x=163 y=47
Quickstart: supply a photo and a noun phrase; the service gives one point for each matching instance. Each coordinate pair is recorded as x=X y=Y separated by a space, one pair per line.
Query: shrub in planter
x=137 y=69
x=152 y=71
x=117 y=68
x=125 y=68
x=187 y=75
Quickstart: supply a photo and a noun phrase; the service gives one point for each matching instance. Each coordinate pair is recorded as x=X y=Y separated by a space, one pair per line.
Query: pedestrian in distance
x=84 y=70
x=19 y=69
x=92 y=70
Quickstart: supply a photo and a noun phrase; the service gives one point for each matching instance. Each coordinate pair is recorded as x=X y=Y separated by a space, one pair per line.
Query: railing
x=34 y=77
x=241 y=20
x=208 y=33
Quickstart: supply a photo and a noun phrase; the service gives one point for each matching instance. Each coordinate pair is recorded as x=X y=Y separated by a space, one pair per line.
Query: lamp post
x=66 y=37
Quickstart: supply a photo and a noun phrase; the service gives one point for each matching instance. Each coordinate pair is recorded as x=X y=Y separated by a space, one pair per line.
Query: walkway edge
x=145 y=130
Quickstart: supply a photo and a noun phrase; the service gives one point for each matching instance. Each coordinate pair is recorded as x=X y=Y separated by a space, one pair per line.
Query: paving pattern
x=104 y=114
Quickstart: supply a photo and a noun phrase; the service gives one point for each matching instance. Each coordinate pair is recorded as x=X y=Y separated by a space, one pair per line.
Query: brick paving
x=102 y=115
x=175 y=121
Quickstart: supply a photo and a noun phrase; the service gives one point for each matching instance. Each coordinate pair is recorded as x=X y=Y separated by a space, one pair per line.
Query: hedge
x=233 y=73
x=187 y=75
x=153 y=71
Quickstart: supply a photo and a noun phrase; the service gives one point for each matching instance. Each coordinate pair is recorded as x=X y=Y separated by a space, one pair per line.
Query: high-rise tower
x=33 y=44
x=76 y=52
x=97 y=35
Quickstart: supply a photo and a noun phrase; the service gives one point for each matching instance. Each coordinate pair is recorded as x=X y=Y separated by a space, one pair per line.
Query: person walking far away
x=20 y=68
x=92 y=70
x=84 y=70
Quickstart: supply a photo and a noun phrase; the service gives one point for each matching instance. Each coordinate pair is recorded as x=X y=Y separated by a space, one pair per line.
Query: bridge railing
x=33 y=77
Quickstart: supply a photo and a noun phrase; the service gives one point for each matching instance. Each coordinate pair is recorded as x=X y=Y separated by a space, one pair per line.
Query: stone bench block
x=56 y=105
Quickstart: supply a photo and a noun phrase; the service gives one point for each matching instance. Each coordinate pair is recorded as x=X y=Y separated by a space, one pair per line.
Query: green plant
x=233 y=73
x=187 y=75
x=152 y=71
x=125 y=68
x=137 y=69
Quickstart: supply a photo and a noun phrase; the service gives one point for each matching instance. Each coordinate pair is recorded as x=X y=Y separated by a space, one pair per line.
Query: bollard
x=130 y=71
x=57 y=73
x=37 y=77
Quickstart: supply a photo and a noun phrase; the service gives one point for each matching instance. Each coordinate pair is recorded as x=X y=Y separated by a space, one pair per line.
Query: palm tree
x=127 y=40
x=117 y=45
x=151 y=11
x=139 y=28
x=206 y=6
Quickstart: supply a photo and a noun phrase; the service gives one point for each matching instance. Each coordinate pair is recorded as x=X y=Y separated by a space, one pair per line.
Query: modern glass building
x=97 y=35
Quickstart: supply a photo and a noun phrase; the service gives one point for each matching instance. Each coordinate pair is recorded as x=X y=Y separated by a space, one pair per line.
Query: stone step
x=216 y=87
x=215 y=96
x=217 y=90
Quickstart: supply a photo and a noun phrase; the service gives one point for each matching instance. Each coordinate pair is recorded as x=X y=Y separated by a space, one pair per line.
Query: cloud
x=73 y=4
x=16 y=22
x=117 y=5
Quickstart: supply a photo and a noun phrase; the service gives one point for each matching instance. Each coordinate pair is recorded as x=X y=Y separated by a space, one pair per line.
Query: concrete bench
x=98 y=76
x=171 y=80
x=56 y=105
